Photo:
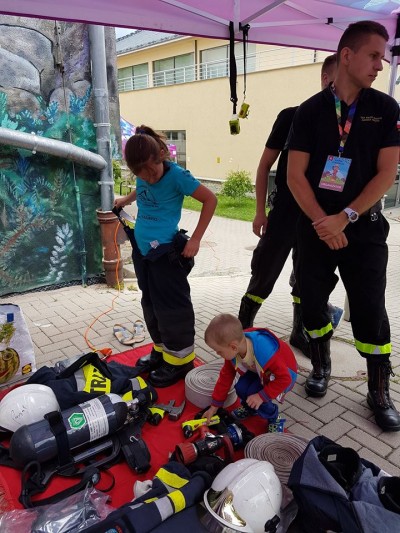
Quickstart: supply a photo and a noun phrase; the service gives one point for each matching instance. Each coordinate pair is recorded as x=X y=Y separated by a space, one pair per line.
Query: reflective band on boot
x=249 y=306
x=255 y=299
x=373 y=349
x=319 y=333
x=177 y=361
x=171 y=370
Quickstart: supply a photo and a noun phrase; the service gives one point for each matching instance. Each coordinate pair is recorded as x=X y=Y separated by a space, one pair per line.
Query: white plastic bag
x=72 y=514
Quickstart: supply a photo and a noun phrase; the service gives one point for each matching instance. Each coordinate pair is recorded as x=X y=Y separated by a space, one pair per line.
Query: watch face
x=352 y=215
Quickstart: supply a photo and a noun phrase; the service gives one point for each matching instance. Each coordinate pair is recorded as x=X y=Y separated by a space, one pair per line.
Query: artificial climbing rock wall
x=49 y=233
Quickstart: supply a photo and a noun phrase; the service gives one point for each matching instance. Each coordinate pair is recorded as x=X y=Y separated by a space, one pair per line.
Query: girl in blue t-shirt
x=162 y=255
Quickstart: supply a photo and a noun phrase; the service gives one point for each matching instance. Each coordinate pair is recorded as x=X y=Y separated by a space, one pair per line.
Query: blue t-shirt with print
x=160 y=205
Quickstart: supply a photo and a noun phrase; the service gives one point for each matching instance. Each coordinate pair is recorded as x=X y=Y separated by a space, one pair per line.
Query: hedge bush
x=237 y=184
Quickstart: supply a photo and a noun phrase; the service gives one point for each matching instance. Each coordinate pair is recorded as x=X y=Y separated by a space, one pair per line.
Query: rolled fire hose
x=200 y=383
x=279 y=449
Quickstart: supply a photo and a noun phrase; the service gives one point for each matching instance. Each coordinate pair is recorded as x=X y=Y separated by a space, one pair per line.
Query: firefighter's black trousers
x=273 y=248
x=362 y=267
x=166 y=302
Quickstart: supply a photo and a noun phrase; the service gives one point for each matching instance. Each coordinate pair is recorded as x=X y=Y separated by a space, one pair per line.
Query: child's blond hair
x=223 y=329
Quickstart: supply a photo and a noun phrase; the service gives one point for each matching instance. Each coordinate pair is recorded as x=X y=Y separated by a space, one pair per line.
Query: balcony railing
x=133 y=83
x=174 y=76
x=267 y=60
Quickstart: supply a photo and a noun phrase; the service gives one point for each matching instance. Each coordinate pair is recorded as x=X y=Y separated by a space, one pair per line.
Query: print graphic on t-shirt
x=147 y=198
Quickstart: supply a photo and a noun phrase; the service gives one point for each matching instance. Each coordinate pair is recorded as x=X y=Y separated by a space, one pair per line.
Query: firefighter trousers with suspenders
x=166 y=303
x=362 y=267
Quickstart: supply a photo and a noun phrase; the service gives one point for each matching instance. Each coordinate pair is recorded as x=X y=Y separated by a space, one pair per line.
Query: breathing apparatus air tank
x=84 y=423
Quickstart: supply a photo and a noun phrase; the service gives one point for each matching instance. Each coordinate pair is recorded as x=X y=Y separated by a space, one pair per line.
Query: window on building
x=133 y=78
x=215 y=61
x=178 y=138
x=173 y=70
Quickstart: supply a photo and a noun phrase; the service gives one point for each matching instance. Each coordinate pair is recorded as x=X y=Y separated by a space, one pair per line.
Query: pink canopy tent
x=303 y=23
x=316 y=24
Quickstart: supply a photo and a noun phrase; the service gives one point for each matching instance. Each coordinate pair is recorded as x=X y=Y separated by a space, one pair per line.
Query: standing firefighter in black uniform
x=343 y=155
x=277 y=230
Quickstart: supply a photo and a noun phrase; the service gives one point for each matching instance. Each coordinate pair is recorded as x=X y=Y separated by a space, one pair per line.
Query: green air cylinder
x=83 y=423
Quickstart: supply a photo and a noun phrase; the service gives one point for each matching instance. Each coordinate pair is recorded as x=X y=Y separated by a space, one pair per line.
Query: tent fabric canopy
x=316 y=24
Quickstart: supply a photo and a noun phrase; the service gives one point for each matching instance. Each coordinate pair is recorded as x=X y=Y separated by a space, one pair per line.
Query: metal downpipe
x=107 y=220
x=101 y=112
x=36 y=143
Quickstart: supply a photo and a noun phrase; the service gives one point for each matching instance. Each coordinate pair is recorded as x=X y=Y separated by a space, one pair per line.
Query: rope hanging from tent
x=244 y=108
x=245 y=30
x=232 y=67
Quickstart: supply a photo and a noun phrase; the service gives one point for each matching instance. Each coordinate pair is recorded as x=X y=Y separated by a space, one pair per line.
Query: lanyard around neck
x=343 y=131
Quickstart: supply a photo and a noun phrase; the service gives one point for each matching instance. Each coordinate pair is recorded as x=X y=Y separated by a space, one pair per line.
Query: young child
x=160 y=253
x=266 y=366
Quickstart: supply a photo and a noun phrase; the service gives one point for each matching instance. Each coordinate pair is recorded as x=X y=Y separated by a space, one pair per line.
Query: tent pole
x=395 y=54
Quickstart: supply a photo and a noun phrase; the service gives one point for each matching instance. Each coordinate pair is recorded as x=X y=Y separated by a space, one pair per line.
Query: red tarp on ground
x=161 y=440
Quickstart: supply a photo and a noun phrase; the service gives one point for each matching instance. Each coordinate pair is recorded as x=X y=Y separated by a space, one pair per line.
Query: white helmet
x=245 y=496
x=25 y=405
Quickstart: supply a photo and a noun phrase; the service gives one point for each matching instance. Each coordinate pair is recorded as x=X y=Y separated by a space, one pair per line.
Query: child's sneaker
x=243 y=412
x=275 y=425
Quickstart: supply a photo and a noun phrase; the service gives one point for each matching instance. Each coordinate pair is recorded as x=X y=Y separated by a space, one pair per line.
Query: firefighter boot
x=167 y=374
x=386 y=415
x=298 y=337
x=317 y=381
x=151 y=361
x=247 y=312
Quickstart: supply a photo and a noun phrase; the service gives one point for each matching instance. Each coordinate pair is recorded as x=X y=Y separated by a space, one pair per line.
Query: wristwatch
x=352 y=215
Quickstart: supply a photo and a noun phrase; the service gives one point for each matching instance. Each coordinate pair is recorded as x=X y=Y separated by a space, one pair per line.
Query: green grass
x=227 y=207
x=120 y=188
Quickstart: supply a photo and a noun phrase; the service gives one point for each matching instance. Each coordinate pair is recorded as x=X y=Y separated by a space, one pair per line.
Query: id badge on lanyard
x=335 y=173
x=336 y=169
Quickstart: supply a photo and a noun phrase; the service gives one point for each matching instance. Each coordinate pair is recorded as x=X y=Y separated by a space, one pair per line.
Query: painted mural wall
x=49 y=234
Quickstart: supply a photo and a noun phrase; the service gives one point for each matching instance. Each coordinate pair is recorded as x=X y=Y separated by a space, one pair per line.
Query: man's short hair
x=357 y=33
x=329 y=63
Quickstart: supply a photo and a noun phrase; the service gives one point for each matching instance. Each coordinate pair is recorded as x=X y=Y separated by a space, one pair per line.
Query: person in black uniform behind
x=277 y=229
x=353 y=126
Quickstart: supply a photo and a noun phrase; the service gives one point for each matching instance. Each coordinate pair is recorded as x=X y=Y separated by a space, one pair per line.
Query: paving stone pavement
x=58 y=321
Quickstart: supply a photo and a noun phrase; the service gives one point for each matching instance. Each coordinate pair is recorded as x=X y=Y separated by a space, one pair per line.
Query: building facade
x=180 y=85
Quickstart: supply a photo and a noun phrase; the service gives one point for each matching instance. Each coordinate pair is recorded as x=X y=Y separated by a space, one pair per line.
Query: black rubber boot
x=167 y=374
x=317 y=381
x=386 y=415
x=247 y=312
x=150 y=362
x=298 y=337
